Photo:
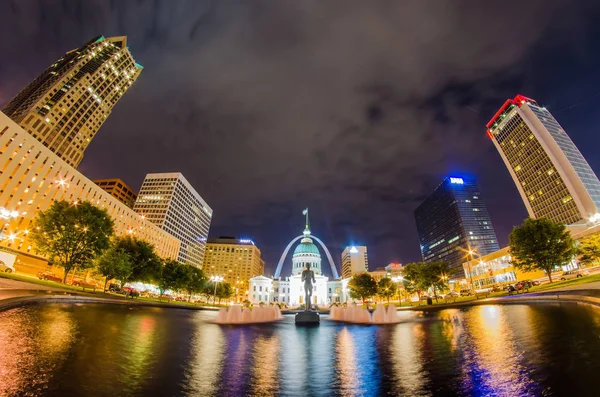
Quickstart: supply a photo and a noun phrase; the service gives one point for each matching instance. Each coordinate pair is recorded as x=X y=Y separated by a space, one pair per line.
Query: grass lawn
x=566 y=283
x=45 y=283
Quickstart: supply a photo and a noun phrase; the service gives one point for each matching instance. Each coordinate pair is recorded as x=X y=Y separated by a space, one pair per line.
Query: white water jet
x=238 y=315
x=358 y=315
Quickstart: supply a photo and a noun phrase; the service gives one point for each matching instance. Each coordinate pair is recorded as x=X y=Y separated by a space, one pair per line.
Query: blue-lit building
x=452 y=221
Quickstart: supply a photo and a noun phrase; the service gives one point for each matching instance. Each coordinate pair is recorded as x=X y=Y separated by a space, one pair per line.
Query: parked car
x=466 y=292
x=424 y=297
x=49 y=276
x=452 y=294
x=132 y=292
x=5 y=268
x=571 y=274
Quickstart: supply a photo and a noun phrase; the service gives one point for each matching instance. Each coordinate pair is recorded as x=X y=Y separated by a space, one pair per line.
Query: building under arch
x=290 y=290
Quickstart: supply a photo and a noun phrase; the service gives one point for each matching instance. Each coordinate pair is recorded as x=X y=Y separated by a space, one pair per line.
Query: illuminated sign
x=246 y=241
x=457 y=181
x=353 y=250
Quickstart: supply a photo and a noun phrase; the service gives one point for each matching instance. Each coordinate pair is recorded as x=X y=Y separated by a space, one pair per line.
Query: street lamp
x=398 y=280
x=216 y=280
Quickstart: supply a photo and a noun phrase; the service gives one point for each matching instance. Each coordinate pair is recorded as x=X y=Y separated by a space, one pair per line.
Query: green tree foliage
x=114 y=263
x=386 y=288
x=197 y=281
x=174 y=276
x=589 y=249
x=71 y=236
x=145 y=264
x=362 y=286
x=540 y=244
x=225 y=291
x=421 y=276
x=414 y=278
x=437 y=276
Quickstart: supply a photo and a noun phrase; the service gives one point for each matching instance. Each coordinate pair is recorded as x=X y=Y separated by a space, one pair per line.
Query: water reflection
x=486 y=350
x=407 y=342
x=203 y=373
x=347 y=367
x=265 y=368
x=493 y=363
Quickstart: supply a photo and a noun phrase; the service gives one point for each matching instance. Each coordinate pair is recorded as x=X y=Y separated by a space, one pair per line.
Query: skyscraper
x=236 y=260
x=169 y=201
x=118 y=189
x=452 y=221
x=354 y=261
x=552 y=176
x=66 y=105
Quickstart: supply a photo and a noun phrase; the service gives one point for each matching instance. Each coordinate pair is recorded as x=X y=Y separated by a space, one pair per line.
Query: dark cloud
x=356 y=109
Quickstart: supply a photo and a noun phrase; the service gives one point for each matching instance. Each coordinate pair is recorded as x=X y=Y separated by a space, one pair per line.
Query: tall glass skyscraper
x=64 y=107
x=553 y=178
x=452 y=221
x=169 y=201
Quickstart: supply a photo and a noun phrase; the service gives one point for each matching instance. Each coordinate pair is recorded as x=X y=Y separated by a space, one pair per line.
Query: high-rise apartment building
x=32 y=178
x=354 y=261
x=169 y=201
x=452 y=221
x=236 y=260
x=118 y=189
x=553 y=178
x=66 y=105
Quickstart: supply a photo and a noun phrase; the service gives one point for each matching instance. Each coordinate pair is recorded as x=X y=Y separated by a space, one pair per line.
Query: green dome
x=306 y=247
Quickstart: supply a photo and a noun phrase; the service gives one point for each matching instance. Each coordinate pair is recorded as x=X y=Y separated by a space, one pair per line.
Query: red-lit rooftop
x=517 y=101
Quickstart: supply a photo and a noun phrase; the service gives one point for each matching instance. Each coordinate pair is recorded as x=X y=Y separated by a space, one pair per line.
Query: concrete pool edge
x=563 y=297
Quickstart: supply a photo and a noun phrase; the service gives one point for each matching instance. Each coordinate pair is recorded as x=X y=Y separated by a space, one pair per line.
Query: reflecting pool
x=106 y=350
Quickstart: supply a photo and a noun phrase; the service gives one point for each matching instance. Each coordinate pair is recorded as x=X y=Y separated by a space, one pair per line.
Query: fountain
x=359 y=315
x=238 y=315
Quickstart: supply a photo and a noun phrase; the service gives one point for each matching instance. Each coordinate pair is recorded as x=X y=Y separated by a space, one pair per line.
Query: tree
x=174 y=276
x=225 y=291
x=72 y=235
x=589 y=249
x=386 y=288
x=197 y=281
x=114 y=263
x=540 y=244
x=415 y=278
x=423 y=276
x=145 y=264
x=362 y=286
x=436 y=275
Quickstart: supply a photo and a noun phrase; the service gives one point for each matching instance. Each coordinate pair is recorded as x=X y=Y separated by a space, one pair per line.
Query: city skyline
x=361 y=191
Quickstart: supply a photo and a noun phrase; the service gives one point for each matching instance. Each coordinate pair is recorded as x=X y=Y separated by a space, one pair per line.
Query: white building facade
x=169 y=201
x=290 y=290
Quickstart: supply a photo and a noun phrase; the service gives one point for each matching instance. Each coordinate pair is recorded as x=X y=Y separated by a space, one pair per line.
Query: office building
x=452 y=221
x=64 y=107
x=118 y=189
x=32 y=177
x=236 y=260
x=354 y=261
x=170 y=202
x=553 y=178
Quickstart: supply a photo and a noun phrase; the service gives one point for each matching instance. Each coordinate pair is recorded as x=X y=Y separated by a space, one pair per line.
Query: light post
x=398 y=280
x=216 y=280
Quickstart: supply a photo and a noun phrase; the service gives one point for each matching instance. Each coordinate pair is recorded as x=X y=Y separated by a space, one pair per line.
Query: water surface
x=106 y=350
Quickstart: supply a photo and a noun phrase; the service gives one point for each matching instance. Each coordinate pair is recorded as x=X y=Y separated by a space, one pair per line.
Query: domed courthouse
x=290 y=290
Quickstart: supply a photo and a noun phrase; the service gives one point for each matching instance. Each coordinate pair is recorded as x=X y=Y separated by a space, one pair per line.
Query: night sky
x=355 y=109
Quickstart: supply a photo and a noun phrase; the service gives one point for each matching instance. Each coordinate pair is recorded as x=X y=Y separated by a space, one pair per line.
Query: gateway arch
x=287 y=249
